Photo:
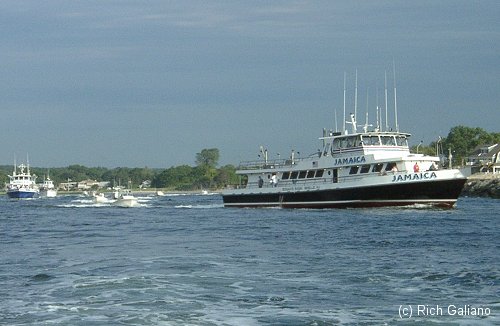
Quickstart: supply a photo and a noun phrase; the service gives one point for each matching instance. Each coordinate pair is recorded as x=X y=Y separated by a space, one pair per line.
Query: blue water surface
x=186 y=260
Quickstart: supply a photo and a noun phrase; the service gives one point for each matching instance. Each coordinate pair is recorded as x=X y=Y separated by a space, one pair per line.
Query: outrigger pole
x=395 y=98
x=343 y=124
x=386 y=119
x=356 y=97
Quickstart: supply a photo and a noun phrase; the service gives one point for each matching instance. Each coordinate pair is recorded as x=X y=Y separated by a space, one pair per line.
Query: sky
x=151 y=83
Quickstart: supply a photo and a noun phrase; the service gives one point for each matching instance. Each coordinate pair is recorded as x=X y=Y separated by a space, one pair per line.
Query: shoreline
x=482 y=185
x=477 y=185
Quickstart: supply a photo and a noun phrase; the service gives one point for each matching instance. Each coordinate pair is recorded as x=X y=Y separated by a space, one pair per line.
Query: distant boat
x=47 y=188
x=22 y=184
x=124 y=198
x=160 y=193
x=99 y=198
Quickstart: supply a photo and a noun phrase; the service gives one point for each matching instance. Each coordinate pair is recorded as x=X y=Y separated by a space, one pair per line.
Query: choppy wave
x=186 y=260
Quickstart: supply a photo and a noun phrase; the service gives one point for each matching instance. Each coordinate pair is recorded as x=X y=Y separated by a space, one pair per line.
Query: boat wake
x=208 y=206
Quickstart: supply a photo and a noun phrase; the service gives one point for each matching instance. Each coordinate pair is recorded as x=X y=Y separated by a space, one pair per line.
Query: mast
x=336 y=129
x=386 y=119
x=379 y=118
x=367 y=103
x=356 y=97
x=365 y=127
x=395 y=98
x=28 y=162
x=343 y=124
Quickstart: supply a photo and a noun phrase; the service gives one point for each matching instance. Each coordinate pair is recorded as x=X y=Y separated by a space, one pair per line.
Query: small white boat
x=126 y=199
x=99 y=198
x=160 y=193
x=47 y=188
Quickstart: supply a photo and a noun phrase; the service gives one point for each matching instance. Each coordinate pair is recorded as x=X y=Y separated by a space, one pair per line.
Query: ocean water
x=186 y=260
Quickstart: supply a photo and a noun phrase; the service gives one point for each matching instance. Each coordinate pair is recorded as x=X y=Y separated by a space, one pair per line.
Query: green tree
x=206 y=171
x=208 y=157
x=226 y=175
x=462 y=140
x=179 y=177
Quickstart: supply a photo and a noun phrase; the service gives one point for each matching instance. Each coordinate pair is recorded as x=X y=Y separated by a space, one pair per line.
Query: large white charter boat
x=353 y=169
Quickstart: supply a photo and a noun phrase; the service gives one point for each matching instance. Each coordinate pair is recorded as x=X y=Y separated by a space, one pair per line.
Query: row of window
x=302 y=174
x=377 y=168
x=375 y=140
x=309 y=174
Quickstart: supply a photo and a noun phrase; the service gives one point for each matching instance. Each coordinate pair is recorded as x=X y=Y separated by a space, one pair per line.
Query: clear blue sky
x=151 y=83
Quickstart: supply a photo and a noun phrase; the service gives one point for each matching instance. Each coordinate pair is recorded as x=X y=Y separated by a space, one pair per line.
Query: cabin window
x=302 y=174
x=310 y=174
x=294 y=175
x=371 y=140
x=389 y=166
x=285 y=176
x=336 y=145
x=388 y=141
x=354 y=170
x=402 y=141
x=377 y=167
x=351 y=141
x=365 y=169
x=319 y=173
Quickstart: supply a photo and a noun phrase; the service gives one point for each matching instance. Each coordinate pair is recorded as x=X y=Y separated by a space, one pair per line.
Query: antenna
x=379 y=118
x=343 y=124
x=365 y=127
x=395 y=98
x=356 y=97
x=386 y=119
x=336 y=129
x=378 y=121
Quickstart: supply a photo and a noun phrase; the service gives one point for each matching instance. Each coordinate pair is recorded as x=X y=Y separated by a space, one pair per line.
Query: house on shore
x=485 y=159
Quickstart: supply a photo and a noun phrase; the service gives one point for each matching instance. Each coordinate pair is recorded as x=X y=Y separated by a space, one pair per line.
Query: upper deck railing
x=269 y=164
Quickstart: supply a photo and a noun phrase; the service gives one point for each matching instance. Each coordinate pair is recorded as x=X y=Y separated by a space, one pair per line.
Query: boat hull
x=439 y=193
x=50 y=193
x=128 y=201
x=21 y=194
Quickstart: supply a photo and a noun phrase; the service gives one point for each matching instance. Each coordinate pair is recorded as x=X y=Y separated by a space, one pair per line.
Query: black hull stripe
x=440 y=193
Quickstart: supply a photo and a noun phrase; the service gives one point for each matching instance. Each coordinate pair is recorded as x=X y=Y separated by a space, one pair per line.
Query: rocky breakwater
x=482 y=185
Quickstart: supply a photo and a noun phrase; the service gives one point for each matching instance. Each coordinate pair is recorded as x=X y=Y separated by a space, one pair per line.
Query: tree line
x=204 y=175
